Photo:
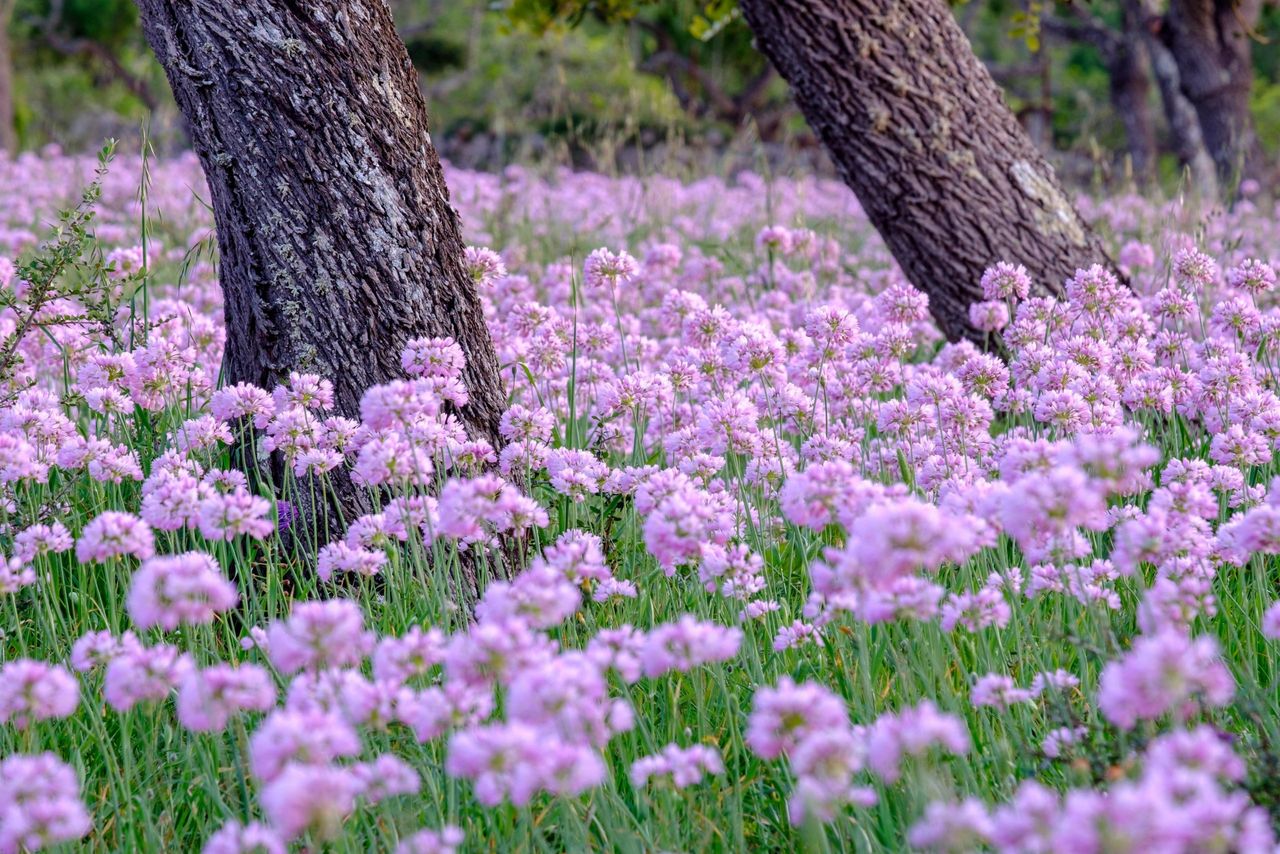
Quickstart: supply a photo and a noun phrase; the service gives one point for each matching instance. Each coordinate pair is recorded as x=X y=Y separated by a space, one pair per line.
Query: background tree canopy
x=594 y=80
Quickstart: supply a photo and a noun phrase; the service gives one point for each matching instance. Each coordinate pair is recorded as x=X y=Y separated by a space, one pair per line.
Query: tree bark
x=1210 y=41
x=1129 y=83
x=919 y=131
x=336 y=239
x=1130 y=86
x=1184 y=125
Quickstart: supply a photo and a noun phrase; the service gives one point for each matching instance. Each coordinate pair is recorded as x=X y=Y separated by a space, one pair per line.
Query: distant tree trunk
x=1129 y=83
x=336 y=239
x=1130 y=96
x=1184 y=125
x=919 y=131
x=1210 y=41
x=8 y=130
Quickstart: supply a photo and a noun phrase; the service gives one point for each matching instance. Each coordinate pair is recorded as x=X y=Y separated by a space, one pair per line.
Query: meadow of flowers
x=763 y=564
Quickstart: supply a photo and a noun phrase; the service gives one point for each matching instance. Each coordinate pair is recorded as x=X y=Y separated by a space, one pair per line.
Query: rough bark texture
x=1210 y=41
x=336 y=239
x=919 y=131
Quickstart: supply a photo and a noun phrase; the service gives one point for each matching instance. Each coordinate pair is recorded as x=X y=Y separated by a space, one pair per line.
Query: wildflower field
x=764 y=564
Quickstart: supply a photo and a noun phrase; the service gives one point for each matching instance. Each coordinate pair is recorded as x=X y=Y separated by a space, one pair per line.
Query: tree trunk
x=1184 y=124
x=8 y=131
x=1130 y=85
x=919 y=131
x=1210 y=41
x=336 y=239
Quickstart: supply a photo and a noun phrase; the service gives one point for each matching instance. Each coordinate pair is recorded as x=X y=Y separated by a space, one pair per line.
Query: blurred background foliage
x=614 y=84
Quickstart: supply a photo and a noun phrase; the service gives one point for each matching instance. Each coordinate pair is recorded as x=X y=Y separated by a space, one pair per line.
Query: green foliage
x=108 y=22
x=542 y=15
x=432 y=53
x=1025 y=25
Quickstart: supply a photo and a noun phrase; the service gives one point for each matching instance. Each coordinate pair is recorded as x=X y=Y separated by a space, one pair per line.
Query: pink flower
x=234 y=514
x=989 y=316
x=252 y=838
x=606 y=269
x=313 y=799
x=33 y=691
x=433 y=357
x=446 y=840
x=285 y=738
x=318 y=635
x=785 y=715
x=385 y=777
x=1162 y=673
x=340 y=557
x=242 y=401
x=208 y=698
x=1006 y=281
x=40 y=803
x=112 y=534
x=687 y=643
x=141 y=673
x=187 y=588
x=911 y=732
x=685 y=765
x=39 y=540
x=999 y=691
x=1271 y=622
x=97 y=649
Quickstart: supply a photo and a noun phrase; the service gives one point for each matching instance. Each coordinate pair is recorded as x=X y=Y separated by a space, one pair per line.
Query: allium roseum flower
x=38 y=540
x=234 y=514
x=785 y=715
x=93 y=650
x=433 y=357
x=33 y=691
x=144 y=673
x=171 y=590
x=1271 y=621
x=208 y=698
x=413 y=654
x=606 y=269
x=112 y=534
x=1006 y=281
x=484 y=265
x=40 y=804
x=385 y=777
x=685 y=765
x=911 y=732
x=340 y=557
x=252 y=838
x=15 y=574
x=446 y=840
x=1162 y=673
x=309 y=737
x=313 y=799
x=318 y=635
x=989 y=316
x=687 y=643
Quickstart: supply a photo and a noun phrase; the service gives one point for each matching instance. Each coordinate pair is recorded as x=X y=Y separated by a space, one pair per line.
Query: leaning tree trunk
x=919 y=131
x=1210 y=41
x=336 y=239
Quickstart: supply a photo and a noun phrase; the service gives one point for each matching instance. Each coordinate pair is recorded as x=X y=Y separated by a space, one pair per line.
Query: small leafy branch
x=69 y=265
